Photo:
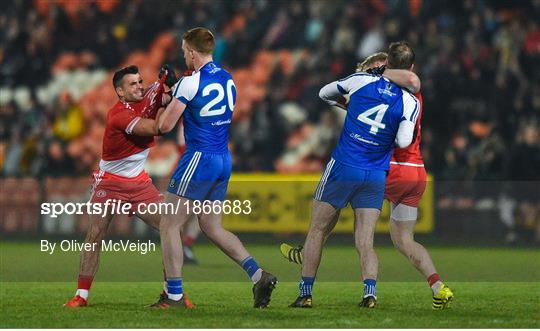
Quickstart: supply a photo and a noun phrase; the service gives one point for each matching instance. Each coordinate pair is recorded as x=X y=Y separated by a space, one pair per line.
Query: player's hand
x=171 y=75
x=378 y=71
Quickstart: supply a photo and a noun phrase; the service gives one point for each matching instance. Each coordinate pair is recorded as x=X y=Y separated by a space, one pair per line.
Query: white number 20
x=377 y=123
x=207 y=109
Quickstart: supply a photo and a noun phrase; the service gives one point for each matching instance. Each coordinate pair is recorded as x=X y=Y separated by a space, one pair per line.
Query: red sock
x=85 y=282
x=188 y=241
x=433 y=279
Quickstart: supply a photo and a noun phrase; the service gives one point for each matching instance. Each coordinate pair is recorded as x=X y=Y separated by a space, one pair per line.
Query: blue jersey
x=376 y=108
x=209 y=95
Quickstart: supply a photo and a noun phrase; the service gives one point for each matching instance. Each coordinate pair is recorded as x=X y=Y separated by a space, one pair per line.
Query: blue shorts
x=341 y=184
x=201 y=176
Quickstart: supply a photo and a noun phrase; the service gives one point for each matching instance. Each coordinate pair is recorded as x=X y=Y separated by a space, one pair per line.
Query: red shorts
x=136 y=190
x=405 y=184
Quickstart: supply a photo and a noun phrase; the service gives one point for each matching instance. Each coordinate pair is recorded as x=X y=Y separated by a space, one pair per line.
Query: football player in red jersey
x=129 y=133
x=405 y=185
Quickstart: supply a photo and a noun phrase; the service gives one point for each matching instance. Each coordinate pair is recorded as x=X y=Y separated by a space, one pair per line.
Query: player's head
x=127 y=83
x=400 y=56
x=198 y=45
x=372 y=61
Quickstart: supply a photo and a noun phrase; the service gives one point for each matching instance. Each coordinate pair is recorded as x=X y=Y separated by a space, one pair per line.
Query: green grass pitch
x=494 y=288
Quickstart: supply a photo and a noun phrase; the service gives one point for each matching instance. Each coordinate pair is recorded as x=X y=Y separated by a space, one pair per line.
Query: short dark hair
x=119 y=74
x=200 y=39
x=400 y=55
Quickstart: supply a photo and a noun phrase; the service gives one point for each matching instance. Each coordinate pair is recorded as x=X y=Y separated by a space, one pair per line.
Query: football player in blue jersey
x=380 y=115
x=206 y=99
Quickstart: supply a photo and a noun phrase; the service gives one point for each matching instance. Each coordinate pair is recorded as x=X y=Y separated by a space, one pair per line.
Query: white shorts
x=401 y=212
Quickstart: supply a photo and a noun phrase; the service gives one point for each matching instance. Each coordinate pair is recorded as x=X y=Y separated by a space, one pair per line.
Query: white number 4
x=377 y=123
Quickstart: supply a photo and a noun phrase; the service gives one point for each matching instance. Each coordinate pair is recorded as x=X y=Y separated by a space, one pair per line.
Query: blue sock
x=251 y=267
x=174 y=288
x=306 y=286
x=369 y=288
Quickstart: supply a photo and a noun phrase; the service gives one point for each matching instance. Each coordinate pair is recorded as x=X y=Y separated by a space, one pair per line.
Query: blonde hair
x=377 y=57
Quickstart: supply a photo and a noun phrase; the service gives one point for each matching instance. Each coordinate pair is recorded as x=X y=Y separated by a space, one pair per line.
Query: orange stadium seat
x=20 y=205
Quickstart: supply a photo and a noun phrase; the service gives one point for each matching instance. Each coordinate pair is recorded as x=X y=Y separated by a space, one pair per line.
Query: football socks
x=306 y=286
x=174 y=288
x=252 y=268
x=369 y=288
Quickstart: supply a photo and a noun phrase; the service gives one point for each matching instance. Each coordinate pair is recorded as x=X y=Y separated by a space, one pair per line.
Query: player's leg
x=211 y=224
x=153 y=220
x=364 y=230
x=403 y=219
x=402 y=234
x=263 y=282
x=367 y=202
x=148 y=205
x=190 y=232
x=323 y=220
x=182 y=195
x=294 y=254
x=331 y=195
x=89 y=260
x=170 y=226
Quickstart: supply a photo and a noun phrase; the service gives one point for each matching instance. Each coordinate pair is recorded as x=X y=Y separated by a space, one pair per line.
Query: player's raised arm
x=183 y=92
x=170 y=81
x=171 y=115
x=333 y=93
x=142 y=126
x=332 y=96
x=405 y=131
x=376 y=64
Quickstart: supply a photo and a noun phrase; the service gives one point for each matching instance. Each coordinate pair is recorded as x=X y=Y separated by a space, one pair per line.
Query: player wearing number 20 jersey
x=379 y=115
x=205 y=168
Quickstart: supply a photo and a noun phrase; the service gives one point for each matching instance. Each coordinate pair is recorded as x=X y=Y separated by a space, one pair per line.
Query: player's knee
x=320 y=228
x=364 y=245
x=402 y=240
x=208 y=229
x=95 y=235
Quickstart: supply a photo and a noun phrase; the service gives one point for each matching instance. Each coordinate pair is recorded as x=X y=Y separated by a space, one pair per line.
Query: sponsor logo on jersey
x=358 y=137
x=221 y=122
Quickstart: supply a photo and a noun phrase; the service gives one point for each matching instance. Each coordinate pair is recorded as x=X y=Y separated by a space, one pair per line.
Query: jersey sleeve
x=411 y=107
x=354 y=82
x=153 y=98
x=329 y=93
x=124 y=121
x=405 y=133
x=186 y=88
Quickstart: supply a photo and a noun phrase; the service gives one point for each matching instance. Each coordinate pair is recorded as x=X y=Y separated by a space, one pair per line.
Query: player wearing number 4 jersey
x=206 y=99
x=379 y=115
x=405 y=185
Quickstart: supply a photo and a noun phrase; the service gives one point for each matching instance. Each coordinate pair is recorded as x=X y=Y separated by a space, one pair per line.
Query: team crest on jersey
x=171 y=183
x=101 y=193
x=387 y=90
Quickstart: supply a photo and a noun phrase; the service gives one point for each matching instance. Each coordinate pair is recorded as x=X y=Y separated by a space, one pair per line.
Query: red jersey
x=123 y=153
x=411 y=155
